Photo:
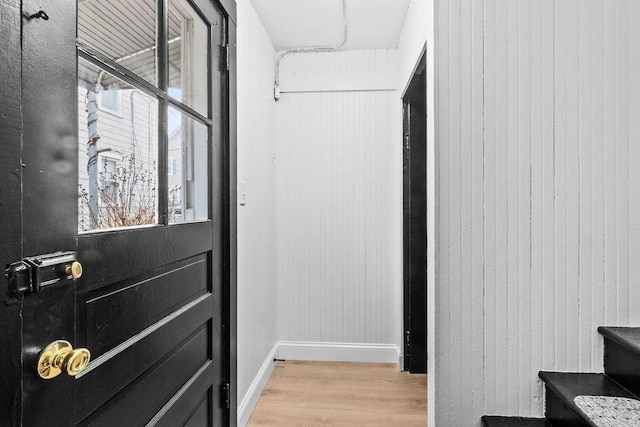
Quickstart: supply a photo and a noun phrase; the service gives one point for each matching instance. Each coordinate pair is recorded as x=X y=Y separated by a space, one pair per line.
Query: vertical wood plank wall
x=256 y=220
x=538 y=206
x=339 y=203
x=418 y=34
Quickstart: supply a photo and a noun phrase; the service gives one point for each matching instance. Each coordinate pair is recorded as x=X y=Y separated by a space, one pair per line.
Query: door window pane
x=188 y=53
x=124 y=31
x=187 y=169
x=118 y=154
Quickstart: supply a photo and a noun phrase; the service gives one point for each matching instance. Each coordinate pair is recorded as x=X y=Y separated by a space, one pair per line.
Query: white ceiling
x=371 y=24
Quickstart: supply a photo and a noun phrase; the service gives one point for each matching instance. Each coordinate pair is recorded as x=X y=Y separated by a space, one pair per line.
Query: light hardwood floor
x=341 y=394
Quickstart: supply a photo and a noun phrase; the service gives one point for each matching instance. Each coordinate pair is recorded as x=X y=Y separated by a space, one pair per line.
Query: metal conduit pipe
x=276 y=88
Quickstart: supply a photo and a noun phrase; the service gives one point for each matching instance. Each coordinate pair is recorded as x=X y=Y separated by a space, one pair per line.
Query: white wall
x=417 y=36
x=256 y=219
x=339 y=199
x=412 y=41
x=538 y=226
x=359 y=71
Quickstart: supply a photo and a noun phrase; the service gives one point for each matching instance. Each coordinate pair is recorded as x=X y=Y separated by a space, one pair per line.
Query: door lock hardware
x=32 y=274
x=74 y=270
x=59 y=357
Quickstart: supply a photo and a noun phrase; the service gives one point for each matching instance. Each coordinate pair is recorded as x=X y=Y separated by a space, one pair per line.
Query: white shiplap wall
x=338 y=71
x=256 y=220
x=339 y=203
x=418 y=36
x=538 y=204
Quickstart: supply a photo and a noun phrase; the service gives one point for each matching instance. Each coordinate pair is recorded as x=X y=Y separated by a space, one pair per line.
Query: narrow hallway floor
x=341 y=394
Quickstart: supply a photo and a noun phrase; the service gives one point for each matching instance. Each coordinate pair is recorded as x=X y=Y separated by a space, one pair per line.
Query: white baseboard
x=250 y=400
x=338 y=352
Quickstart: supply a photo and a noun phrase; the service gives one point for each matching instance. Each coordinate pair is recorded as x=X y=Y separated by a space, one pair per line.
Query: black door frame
x=415 y=236
x=12 y=206
x=229 y=334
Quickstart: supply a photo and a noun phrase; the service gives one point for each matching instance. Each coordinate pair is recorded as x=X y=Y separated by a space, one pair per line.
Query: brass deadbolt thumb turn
x=60 y=356
x=74 y=270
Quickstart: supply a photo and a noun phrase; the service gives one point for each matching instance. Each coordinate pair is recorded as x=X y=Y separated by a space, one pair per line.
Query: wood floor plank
x=341 y=394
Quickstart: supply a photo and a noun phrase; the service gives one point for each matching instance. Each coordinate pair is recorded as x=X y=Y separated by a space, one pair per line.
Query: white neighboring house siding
x=116 y=131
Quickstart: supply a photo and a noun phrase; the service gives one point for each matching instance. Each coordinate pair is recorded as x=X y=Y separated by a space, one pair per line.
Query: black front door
x=117 y=229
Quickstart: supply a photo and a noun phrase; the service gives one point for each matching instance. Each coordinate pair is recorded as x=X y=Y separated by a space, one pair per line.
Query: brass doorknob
x=60 y=356
x=74 y=270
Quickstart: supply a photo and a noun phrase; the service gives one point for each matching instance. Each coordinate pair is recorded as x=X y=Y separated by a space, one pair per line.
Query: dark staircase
x=619 y=387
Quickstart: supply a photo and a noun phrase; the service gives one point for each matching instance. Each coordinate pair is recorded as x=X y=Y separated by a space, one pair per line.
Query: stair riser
x=558 y=414
x=497 y=421
x=622 y=365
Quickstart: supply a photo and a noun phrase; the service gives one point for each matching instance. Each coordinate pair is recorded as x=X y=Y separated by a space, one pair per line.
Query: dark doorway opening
x=415 y=221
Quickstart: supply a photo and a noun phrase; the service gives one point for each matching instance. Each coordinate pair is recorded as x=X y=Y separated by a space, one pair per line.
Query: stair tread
x=500 y=421
x=625 y=336
x=568 y=385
